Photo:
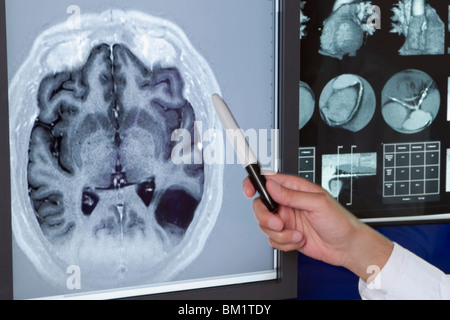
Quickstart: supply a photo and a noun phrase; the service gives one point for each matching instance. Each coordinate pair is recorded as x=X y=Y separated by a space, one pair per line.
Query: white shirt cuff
x=378 y=287
x=406 y=276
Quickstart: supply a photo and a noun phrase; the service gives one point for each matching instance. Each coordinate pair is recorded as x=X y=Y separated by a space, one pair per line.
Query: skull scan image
x=92 y=114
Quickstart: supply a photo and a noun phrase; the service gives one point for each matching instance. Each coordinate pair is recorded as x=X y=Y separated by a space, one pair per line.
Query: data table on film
x=307 y=163
x=411 y=172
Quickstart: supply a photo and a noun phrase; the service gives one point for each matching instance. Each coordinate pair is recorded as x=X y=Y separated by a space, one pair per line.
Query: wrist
x=369 y=252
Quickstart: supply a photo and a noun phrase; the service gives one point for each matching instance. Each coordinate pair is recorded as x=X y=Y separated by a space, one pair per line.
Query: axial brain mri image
x=93 y=111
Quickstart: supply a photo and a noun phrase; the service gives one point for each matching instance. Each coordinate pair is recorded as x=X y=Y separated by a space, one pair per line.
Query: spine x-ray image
x=341 y=171
x=92 y=115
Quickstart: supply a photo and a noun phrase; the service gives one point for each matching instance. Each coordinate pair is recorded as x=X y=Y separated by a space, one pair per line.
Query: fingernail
x=297 y=237
x=274 y=224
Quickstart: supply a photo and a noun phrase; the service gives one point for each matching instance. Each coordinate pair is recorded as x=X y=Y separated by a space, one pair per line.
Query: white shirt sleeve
x=406 y=277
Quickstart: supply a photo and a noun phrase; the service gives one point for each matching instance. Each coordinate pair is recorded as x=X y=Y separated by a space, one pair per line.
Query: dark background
x=319 y=281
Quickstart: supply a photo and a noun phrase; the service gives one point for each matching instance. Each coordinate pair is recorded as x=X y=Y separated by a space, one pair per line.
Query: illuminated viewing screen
x=122 y=183
x=374 y=115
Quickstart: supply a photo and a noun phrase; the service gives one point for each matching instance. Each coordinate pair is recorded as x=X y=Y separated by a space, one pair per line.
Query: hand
x=311 y=221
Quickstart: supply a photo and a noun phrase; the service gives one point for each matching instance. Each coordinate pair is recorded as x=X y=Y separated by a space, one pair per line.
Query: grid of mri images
x=374 y=112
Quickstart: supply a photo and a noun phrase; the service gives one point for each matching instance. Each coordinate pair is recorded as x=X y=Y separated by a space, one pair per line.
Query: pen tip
x=218 y=102
x=216 y=96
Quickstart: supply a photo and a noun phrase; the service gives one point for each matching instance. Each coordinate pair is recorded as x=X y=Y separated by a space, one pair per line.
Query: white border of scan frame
x=170 y=287
x=220 y=281
x=409 y=219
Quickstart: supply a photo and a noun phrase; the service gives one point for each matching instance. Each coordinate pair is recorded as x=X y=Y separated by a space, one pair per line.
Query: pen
x=244 y=152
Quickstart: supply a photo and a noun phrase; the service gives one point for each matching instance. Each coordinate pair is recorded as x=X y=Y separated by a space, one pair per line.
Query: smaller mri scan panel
x=379 y=73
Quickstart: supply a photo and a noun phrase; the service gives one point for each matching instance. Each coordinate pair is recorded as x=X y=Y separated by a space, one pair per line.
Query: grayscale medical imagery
x=340 y=171
x=346 y=29
x=96 y=110
x=307 y=104
x=447 y=172
x=379 y=73
x=448 y=98
x=102 y=187
x=348 y=102
x=420 y=25
x=303 y=20
x=410 y=101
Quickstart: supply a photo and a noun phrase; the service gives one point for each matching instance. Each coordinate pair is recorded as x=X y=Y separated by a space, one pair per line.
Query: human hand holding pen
x=311 y=221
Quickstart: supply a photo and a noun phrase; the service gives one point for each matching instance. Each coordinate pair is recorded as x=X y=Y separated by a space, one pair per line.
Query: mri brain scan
x=93 y=112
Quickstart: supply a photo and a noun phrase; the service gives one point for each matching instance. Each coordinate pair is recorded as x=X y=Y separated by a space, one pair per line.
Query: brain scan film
x=93 y=110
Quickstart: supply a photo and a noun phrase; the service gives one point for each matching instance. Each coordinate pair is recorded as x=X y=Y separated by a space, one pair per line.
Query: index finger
x=296 y=197
x=295 y=183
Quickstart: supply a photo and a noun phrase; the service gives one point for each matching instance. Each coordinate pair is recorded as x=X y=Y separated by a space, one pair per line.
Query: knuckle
x=290 y=196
